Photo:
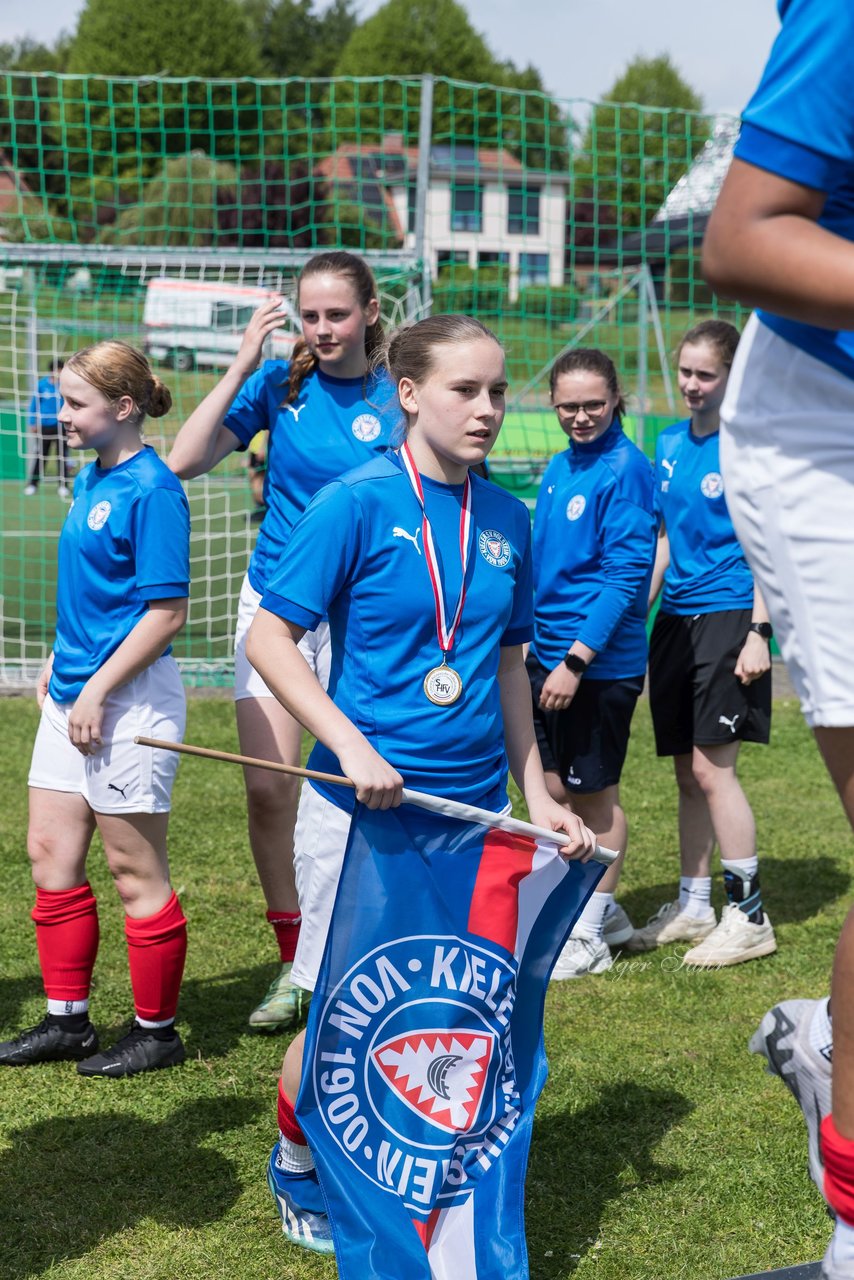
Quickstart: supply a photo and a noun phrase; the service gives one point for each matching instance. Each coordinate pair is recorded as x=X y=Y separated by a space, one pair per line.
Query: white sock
x=821 y=1031
x=153 y=1026
x=294 y=1157
x=591 y=922
x=842 y=1248
x=62 y=1008
x=695 y=895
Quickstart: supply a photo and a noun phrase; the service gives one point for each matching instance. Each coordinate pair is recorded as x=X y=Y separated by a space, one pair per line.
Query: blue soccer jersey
x=335 y=424
x=799 y=124
x=357 y=555
x=125 y=541
x=594 y=547
x=707 y=571
x=45 y=405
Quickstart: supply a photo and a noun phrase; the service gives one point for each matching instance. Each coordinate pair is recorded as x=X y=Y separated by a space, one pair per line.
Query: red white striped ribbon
x=444 y=633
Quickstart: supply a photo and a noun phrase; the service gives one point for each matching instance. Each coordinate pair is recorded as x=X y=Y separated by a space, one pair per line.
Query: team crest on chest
x=494 y=548
x=366 y=427
x=575 y=506
x=99 y=514
x=712 y=485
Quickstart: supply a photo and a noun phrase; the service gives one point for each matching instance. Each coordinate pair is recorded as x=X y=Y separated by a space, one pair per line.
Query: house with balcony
x=484 y=208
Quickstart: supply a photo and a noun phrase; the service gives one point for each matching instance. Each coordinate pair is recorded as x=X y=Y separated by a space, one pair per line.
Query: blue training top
x=45 y=405
x=594 y=548
x=334 y=425
x=708 y=572
x=799 y=124
x=125 y=541
x=357 y=555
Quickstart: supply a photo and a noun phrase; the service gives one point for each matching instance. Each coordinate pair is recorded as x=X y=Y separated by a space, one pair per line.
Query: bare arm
x=760 y=236
x=143 y=645
x=203 y=441
x=661 y=565
x=755 y=657
x=524 y=757
x=271 y=647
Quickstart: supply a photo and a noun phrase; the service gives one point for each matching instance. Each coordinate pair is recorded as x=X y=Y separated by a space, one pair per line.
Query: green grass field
x=661 y=1150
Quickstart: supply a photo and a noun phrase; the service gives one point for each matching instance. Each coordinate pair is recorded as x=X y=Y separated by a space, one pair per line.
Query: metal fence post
x=425 y=143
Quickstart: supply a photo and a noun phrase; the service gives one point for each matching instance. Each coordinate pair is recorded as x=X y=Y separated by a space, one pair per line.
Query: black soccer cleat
x=49 y=1042
x=142 y=1049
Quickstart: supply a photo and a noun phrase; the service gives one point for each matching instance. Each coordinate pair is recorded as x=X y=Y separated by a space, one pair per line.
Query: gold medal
x=443 y=685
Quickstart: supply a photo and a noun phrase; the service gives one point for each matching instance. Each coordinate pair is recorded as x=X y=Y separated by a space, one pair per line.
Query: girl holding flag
x=424 y=570
x=324 y=413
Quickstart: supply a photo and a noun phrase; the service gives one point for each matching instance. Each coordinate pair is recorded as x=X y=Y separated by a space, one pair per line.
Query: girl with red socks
x=121 y=599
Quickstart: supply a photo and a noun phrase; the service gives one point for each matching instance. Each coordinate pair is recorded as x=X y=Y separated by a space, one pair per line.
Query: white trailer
x=190 y=323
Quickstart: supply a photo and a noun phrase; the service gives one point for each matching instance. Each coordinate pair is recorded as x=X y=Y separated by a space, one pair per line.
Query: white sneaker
x=670 y=924
x=783 y=1039
x=63 y=491
x=30 y=490
x=618 y=927
x=581 y=956
x=734 y=940
x=837 y=1260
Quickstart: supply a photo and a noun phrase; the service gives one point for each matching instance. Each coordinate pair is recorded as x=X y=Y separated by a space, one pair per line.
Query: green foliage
x=295 y=39
x=435 y=37
x=555 y=305
x=633 y=155
x=209 y=38
x=179 y=207
x=481 y=292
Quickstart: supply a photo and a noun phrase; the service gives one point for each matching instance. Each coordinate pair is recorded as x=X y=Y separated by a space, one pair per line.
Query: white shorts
x=315 y=647
x=120 y=777
x=787 y=454
x=320 y=841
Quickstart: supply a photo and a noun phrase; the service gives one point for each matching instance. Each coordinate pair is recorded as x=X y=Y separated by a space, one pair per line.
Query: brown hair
x=718 y=334
x=116 y=369
x=303 y=361
x=588 y=360
x=410 y=352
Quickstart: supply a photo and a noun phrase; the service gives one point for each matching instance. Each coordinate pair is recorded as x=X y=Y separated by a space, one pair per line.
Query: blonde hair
x=116 y=369
x=348 y=266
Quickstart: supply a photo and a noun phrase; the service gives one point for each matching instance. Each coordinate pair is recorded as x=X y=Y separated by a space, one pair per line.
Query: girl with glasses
x=709 y=671
x=594 y=545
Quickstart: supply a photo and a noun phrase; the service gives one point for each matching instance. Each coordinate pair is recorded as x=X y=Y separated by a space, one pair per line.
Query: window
x=448 y=259
x=490 y=259
x=466 y=207
x=523 y=211
x=533 y=269
x=231 y=316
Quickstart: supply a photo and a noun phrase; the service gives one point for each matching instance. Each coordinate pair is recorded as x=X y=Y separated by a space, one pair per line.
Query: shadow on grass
x=72 y=1181
x=582 y=1161
x=793 y=891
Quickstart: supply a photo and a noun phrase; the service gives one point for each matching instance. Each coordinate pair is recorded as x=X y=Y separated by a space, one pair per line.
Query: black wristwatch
x=763 y=629
x=573 y=663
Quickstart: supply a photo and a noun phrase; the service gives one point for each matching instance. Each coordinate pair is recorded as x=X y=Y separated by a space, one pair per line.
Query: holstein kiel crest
x=414 y=1074
x=494 y=548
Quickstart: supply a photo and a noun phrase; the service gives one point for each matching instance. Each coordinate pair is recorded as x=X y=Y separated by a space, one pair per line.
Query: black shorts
x=694 y=696
x=586 y=744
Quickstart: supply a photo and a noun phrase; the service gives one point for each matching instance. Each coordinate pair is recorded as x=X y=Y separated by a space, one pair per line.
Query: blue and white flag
x=424 y=1055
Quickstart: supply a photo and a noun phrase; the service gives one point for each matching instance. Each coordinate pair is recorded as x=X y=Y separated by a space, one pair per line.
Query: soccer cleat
x=618 y=927
x=670 y=924
x=49 y=1042
x=581 y=956
x=783 y=1039
x=283 y=1006
x=735 y=940
x=142 y=1049
x=301 y=1206
x=30 y=490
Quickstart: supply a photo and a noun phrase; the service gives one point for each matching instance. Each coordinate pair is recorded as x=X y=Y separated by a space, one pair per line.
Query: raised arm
x=203 y=441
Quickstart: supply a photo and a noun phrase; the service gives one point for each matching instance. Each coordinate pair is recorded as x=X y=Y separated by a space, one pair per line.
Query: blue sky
x=580 y=46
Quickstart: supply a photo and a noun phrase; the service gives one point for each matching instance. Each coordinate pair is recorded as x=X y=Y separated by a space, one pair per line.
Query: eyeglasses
x=590 y=408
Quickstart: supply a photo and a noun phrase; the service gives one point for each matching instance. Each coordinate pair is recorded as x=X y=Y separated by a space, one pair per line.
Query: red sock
x=286 y=928
x=157 y=947
x=838 y=1154
x=288 y=1122
x=67 y=939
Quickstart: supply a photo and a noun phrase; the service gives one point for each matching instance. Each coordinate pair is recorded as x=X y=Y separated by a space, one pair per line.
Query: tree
x=295 y=40
x=178 y=207
x=497 y=105
x=209 y=38
x=632 y=155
